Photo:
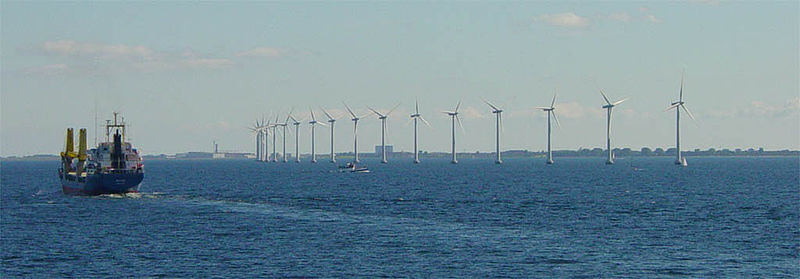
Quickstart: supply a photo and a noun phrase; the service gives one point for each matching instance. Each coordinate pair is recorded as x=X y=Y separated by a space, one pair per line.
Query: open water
x=643 y=217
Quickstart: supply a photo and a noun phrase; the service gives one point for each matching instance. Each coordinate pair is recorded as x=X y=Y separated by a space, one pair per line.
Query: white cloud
x=110 y=51
x=574 y=110
x=262 y=52
x=473 y=113
x=564 y=20
x=208 y=62
x=653 y=19
x=758 y=108
x=50 y=69
x=707 y=2
x=119 y=57
x=622 y=17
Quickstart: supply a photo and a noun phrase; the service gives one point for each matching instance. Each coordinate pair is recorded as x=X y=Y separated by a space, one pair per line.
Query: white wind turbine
x=416 y=116
x=313 y=123
x=454 y=117
x=256 y=129
x=499 y=125
x=284 y=124
x=550 y=111
x=274 y=128
x=677 y=105
x=383 y=117
x=331 y=120
x=355 y=132
x=266 y=129
x=608 y=106
x=296 y=136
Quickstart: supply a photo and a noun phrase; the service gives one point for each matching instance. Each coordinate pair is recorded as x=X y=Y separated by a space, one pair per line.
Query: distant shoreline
x=583 y=153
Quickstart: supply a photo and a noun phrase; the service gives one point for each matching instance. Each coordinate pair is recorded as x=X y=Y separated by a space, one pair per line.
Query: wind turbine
x=677 y=105
x=416 y=116
x=284 y=124
x=266 y=128
x=355 y=132
x=313 y=123
x=550 y=111
x=331 y=120
x=454 y=117
x=274 y=127
x=383 y=117
x=608 y=106
x=499 y=124
x=296 y=135
x=256 y=129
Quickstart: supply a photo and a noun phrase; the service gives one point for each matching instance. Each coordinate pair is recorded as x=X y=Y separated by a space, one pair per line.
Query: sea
x=579 y=218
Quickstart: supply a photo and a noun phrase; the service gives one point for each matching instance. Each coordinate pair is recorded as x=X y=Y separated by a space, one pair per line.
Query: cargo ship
x=113 y=167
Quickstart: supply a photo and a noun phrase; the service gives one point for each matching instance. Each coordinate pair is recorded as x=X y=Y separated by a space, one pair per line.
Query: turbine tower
x=454 y=117
x=266 y=128
x=284 y=124
x=383 y=117
x=608 y=106
x=498 y=126
x=296 y=136
x=256 y=129
x=274 y=145
x=331 y=120
x=550 y=111
x=313 y=123
x=677 y=105
x=416 y=116
x=355 y=132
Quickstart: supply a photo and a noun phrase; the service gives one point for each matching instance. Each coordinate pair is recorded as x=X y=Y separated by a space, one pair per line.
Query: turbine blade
x=392 y=110
x=556 y=118
x=552 y=104
x=416 y=106
x=681 y=92
x=458 y=119
x=425 y=121
x=672 y=106
x=457 y=106
x=619 y=102
x=604 y=96
x=490 y=104
x=448 y=112
x=322 y=123
x=326 y=113
x=687 y=112
x=350 y=110
x=542 y=108
x=376 y=112
x=313 y=118
x=409 y=121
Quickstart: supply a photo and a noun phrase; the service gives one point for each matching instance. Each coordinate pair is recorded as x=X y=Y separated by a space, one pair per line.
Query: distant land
x=583 y=152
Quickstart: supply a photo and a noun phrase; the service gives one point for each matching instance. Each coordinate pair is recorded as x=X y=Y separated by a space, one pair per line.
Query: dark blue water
x=719 y=217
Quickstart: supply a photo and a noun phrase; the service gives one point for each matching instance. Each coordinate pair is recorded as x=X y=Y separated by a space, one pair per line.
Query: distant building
x=379 y=150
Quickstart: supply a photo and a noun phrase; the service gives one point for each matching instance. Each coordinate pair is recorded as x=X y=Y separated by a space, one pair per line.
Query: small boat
x=351 y=167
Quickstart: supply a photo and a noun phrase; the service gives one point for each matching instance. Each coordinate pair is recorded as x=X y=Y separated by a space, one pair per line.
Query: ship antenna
x=108 y=125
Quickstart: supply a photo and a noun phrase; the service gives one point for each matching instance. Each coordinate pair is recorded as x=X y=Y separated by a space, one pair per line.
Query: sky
x=186 y=74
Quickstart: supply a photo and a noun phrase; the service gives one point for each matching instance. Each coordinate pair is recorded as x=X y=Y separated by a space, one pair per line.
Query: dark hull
x=103 y=183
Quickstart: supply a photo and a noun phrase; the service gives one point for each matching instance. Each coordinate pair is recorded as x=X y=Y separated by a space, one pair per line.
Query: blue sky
x=185 y=74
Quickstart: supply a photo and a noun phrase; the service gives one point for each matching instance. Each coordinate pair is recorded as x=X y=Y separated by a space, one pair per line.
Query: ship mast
x=116 y=124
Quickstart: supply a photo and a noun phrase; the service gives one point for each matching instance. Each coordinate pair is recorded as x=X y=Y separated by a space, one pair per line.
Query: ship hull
x=102 y=183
